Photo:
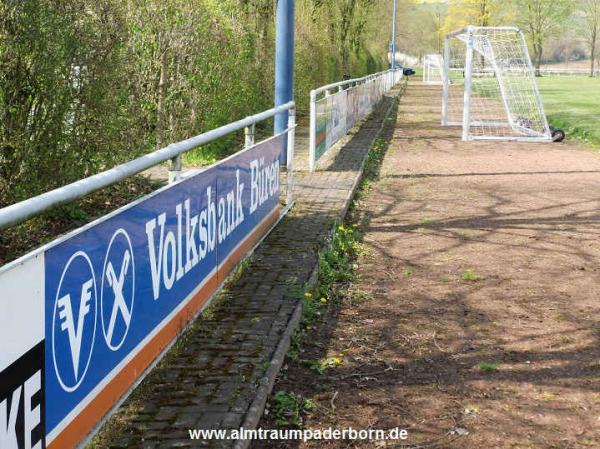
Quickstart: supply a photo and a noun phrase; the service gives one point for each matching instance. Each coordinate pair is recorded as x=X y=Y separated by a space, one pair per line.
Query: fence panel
x=334 y=114
x=84 y=317
x=550 y=71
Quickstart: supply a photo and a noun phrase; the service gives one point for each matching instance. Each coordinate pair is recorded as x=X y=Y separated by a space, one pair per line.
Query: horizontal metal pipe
x=512 y=138
x=322 y=89
x=19 y=212
x=477 y=28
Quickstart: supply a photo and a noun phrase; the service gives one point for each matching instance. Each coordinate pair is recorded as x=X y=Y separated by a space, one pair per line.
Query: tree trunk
x=347 y=15
x=593 y=60
x=593 y=49
x=538 y=52
x=160 y=107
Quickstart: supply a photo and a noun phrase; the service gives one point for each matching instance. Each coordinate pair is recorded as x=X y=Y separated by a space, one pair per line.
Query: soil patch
x=474 y=322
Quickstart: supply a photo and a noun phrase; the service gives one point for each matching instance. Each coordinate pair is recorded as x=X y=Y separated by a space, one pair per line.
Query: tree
x=347 y=20
x=63 y=96
x=87 y=84
x=472 y=12
x=590 y=18
x=437 y=19
x=542 y=19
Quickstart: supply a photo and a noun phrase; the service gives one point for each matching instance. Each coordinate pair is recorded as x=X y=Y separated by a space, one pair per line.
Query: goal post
x=489 y=86
x=432 y=69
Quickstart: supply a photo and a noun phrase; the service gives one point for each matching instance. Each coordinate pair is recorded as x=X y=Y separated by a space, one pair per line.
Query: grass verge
x=573 y=103
x=336 y=275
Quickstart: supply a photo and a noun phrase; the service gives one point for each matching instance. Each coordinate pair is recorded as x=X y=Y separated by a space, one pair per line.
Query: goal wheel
x=558 y=134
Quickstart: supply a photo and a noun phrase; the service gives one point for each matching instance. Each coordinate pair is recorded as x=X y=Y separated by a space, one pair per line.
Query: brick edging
x=266 y=383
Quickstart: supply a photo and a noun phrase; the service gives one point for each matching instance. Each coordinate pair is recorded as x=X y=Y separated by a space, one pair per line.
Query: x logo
x=116 y=283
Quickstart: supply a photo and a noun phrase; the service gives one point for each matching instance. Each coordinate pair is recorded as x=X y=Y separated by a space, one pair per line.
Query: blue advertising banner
x=119 y=291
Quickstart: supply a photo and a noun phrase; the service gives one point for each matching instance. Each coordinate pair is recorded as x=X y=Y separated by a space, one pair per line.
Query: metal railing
x=24 y=210
x=548 y=71
x=337 y=107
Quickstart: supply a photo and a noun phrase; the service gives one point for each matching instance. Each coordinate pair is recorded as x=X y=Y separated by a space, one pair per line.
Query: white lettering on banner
x=211 y=227
x=173 y=253
x=31 y=417
x=8 y=420
x=180 y=271
x=156 y=262
x=264 y=182
x=221 y=214
x=170 y=247
x=191 y=248
x=239 y=209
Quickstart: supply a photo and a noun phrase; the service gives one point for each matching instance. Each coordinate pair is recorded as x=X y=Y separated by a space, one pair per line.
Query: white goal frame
x=432 y=69
x=488 y=73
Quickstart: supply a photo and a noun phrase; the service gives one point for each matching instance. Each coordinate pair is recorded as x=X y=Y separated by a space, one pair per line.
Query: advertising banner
x=90 y=313
x=338 y=113
x=337 y=125
x=323 y=117
x=22 y=397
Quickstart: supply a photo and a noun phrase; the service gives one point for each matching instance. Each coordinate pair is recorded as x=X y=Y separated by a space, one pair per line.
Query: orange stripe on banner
x=83 y=423
x=238 y=254
x=321 y=137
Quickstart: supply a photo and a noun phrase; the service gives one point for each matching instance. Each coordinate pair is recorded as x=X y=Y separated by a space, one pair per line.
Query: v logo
x=75 y=329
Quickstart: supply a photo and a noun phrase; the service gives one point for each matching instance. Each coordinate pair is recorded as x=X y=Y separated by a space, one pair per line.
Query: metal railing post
x=249 y=133
x=313 y=131
x=284 y=61
x=445 y=82
x=175 y=170
x=290 y=154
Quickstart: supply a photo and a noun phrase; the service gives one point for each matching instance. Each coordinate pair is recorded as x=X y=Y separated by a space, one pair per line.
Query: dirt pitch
x=480 y=323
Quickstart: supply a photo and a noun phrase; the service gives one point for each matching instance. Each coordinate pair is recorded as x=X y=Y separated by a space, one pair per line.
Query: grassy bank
x=573 y=103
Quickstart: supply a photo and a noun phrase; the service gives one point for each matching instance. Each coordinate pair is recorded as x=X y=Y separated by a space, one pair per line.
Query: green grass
x=470 y=275
x=488 y=367
x=288 y=408
x=573 y=103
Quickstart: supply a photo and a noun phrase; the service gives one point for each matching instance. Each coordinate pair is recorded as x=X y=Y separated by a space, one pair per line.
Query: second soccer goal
x=489 y=86
x=432 y=69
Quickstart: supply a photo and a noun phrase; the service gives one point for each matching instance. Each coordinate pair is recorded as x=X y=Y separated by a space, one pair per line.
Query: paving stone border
x=257 y=408
x=221 y=372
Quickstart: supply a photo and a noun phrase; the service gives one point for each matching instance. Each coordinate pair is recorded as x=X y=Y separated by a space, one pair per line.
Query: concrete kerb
x=267 y=382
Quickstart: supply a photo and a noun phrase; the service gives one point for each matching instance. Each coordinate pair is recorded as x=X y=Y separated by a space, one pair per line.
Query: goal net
x=432 y=69
x=489 y=86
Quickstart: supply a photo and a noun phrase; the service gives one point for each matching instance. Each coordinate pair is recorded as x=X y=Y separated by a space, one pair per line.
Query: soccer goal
x=432 y=69
x=489 y=86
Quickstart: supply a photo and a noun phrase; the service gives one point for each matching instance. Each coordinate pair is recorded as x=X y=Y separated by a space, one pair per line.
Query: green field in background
x=573 y=103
